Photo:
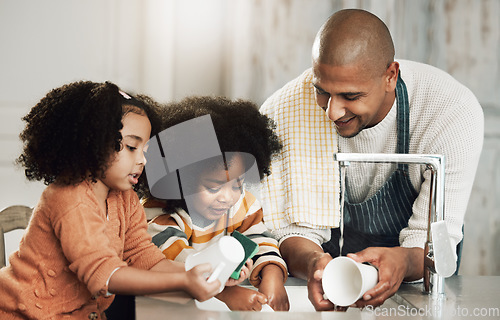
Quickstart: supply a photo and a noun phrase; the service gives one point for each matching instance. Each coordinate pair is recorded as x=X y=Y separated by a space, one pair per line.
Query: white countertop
x=467 y=297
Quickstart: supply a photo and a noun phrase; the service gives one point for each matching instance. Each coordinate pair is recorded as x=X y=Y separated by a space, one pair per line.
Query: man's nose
x=335 y=109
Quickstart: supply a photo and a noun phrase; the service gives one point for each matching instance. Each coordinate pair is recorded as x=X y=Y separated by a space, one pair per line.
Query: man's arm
x=307 y=260
x=300 y=254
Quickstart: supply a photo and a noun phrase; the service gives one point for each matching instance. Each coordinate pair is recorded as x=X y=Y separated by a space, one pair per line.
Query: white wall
x=242 y=49
x=139 y=45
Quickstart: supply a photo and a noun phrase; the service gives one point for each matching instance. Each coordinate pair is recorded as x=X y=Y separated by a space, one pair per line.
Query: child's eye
x=131 y=148
x=237 y=186
x=239 y=183
x=212 y=190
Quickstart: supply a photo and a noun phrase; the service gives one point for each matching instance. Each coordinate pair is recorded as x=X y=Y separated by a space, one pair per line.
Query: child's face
x=129 y=162
x=218 y=190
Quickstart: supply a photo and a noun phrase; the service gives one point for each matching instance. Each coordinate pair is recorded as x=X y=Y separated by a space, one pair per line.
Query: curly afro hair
x=238 y=124
x=239 y=127
x=73 y=132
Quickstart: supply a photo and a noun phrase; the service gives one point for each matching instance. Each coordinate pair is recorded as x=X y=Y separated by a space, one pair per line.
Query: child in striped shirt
x=215 y=201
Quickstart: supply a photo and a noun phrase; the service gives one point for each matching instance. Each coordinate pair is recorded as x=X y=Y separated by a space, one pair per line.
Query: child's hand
x=196 y=283
x=242 y=299
x=244 y=274
x=273 y=287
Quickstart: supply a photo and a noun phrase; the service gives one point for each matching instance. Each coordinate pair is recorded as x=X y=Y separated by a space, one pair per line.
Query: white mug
x=224 y=256
x=345 y=280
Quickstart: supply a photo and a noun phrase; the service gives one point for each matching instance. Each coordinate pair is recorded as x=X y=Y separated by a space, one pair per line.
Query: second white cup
x=345 y=280
x=224 y=256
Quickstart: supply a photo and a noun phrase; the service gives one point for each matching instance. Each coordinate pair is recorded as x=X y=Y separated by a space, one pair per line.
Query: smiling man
x=357 y=99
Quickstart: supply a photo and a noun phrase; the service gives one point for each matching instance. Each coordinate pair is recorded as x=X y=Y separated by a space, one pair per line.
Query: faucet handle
x=445 y=257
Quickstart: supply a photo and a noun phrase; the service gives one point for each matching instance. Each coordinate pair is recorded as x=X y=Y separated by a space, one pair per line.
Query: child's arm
x=96 y=263
x=168 y=266
x=269 y=272
x=242 y=299
x=268 y=253
x=164 y=275
x=273 y=286
x=133 y=281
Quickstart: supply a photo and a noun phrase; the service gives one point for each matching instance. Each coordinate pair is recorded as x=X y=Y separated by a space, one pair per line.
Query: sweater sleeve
x=82 y=234
x=456 y=131
x=139 y=251
x=316 y=235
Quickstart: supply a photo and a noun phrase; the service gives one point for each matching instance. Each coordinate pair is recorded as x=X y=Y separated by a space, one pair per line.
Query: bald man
x=357 y=99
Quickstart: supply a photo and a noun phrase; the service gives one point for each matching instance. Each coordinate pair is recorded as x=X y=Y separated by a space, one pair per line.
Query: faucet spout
x=439 y=256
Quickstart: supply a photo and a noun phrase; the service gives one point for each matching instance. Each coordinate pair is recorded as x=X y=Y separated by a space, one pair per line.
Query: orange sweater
x=70 y=250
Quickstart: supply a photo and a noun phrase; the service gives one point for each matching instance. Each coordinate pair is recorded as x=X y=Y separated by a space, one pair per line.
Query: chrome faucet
x=439 y=256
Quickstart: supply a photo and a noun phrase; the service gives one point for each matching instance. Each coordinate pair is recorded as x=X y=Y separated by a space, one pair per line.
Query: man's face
x=352 y=97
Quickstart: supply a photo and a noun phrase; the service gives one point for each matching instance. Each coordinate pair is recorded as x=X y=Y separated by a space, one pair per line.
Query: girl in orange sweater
x=87 y=238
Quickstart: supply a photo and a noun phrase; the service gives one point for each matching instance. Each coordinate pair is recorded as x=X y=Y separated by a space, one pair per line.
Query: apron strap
x=403 y=122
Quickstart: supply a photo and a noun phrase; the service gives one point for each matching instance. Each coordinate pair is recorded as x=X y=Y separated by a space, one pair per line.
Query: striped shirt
x=178 y=237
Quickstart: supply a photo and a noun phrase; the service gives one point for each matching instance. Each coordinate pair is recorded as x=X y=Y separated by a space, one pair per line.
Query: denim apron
x=377 y=222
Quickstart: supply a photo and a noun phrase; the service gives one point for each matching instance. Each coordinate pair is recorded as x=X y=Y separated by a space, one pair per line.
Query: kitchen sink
x=299 y=302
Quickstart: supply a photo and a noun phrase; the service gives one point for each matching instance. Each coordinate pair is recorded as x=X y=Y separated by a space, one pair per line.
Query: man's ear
x=391 y=76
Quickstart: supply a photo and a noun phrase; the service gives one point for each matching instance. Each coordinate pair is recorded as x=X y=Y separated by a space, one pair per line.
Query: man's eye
x=352 y=97
x=320 y=92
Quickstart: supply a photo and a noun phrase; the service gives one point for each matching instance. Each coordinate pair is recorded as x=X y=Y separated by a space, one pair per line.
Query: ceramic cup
x=224 y=256
x=345 y=280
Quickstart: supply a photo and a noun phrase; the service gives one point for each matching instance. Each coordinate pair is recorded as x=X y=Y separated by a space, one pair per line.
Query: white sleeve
x=316 y=235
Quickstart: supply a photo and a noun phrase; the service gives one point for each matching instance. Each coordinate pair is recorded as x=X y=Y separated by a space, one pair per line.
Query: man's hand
x=306 y=260
x=394 y=265
x=315 y=286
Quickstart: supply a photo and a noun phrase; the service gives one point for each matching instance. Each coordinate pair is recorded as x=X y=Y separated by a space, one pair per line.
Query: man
x=357 y=98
